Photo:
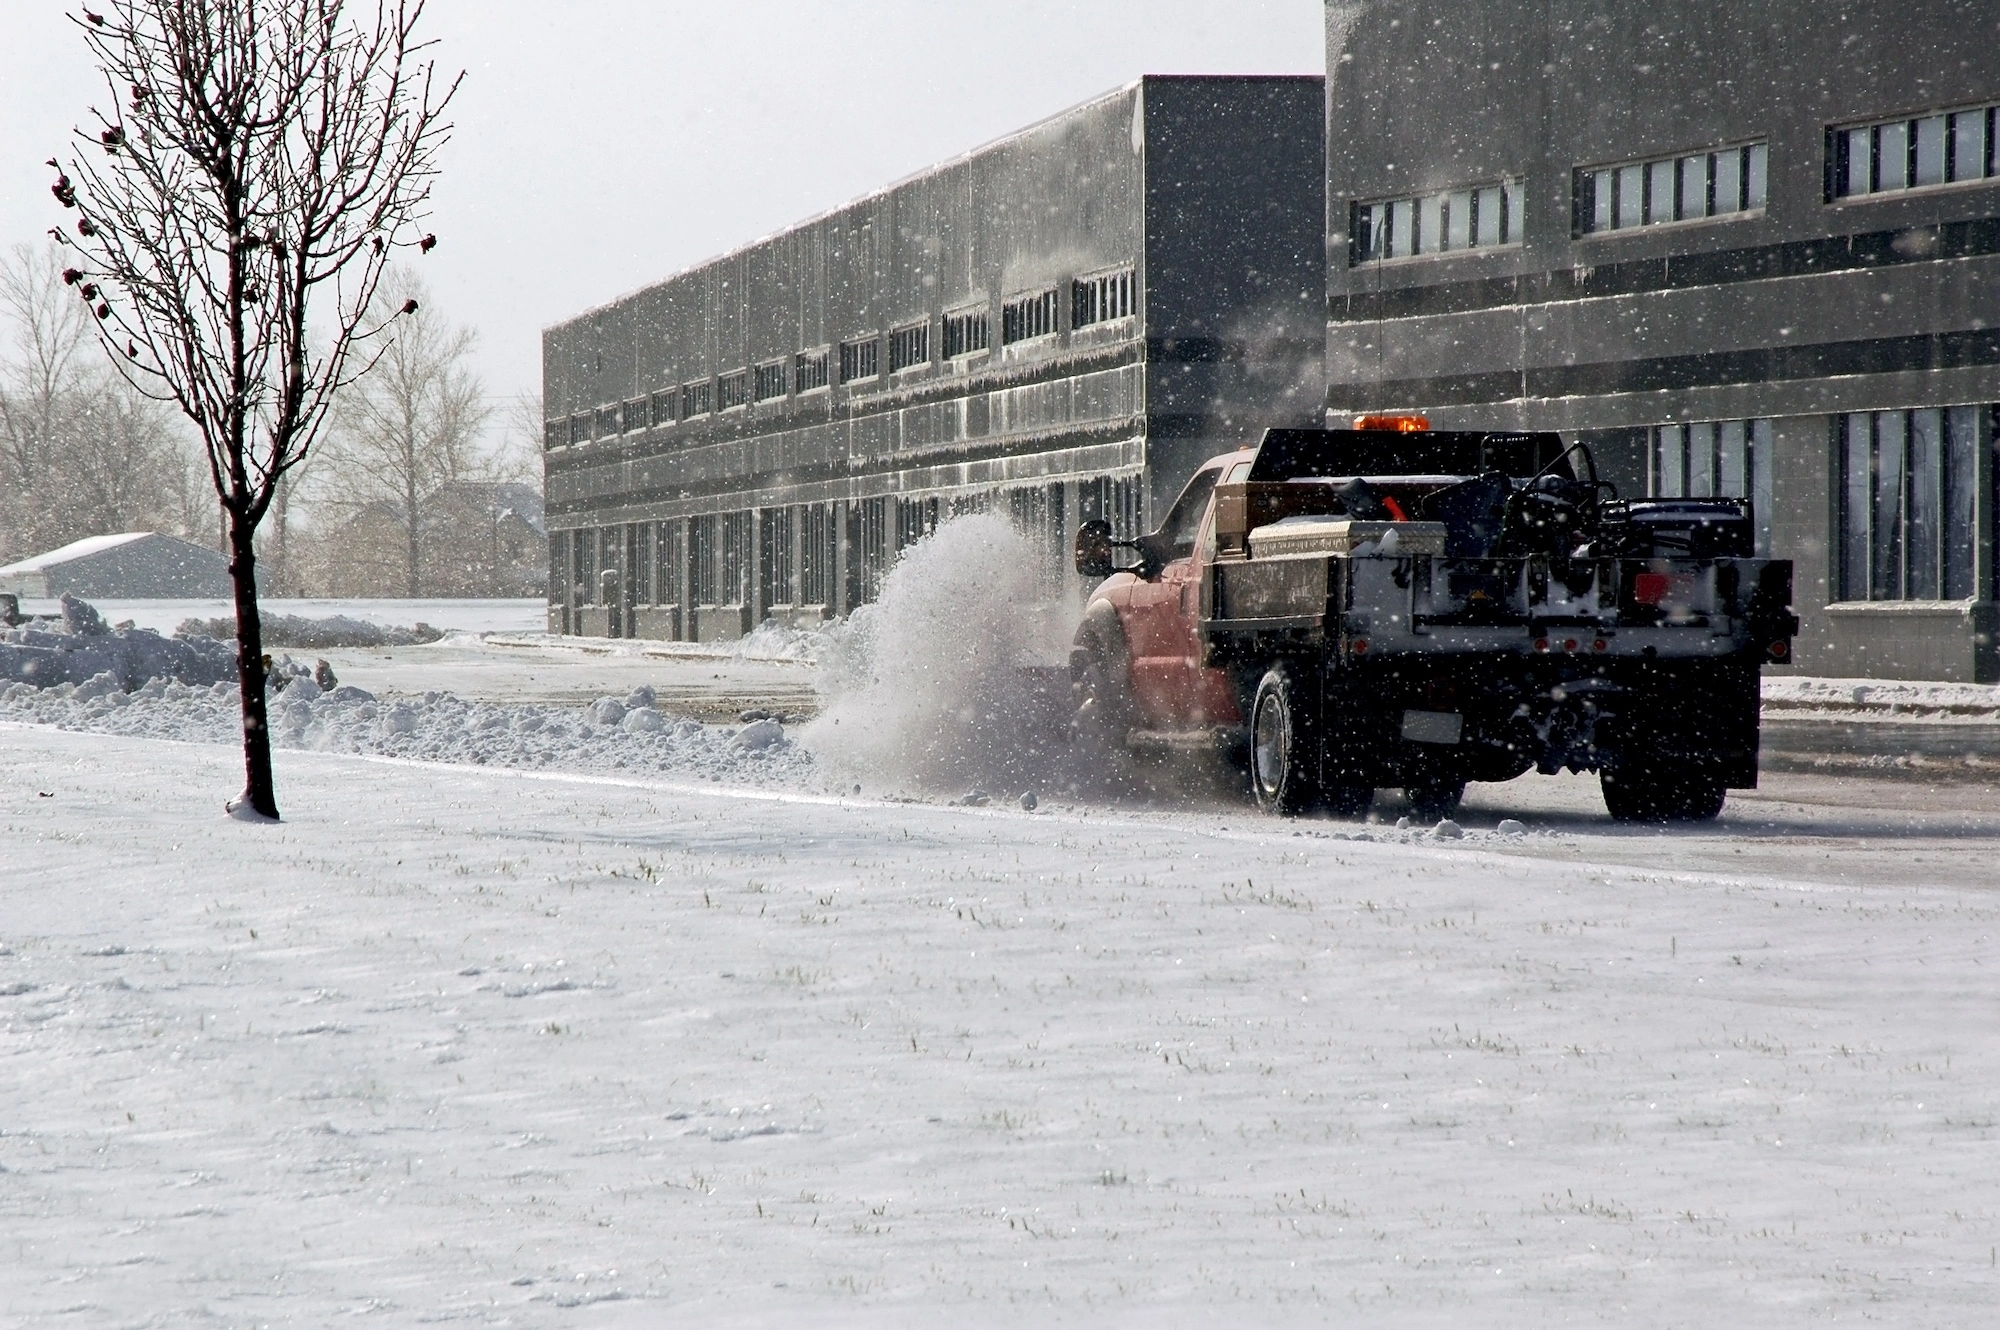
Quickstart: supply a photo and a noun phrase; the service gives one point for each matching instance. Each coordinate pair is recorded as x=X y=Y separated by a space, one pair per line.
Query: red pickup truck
x=1348 y=610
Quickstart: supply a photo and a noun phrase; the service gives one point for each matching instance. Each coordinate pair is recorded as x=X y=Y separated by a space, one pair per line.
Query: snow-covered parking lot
x=462 y=1045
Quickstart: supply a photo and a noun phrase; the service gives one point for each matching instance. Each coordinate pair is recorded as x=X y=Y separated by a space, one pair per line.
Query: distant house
x=136 y=565
x=477 y=539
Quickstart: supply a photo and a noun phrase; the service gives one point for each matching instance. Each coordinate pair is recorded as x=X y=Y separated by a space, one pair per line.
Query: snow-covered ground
x=477 y=1047
x=547 y=1005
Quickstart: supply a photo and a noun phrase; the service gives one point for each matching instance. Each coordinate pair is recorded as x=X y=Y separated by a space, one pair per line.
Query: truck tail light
x=1541 y=644
x=1569 y=644
x=1779 y=650
x=1360 y=646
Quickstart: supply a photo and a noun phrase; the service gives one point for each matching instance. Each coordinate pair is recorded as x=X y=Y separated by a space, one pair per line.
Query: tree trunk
x=259 y=788
x=281 y=551
x=413 y=587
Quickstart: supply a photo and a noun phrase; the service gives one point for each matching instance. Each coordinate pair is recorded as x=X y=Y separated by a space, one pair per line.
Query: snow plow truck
x=1390 y=606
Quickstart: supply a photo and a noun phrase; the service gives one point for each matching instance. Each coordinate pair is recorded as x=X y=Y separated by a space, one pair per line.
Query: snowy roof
x=76 y=549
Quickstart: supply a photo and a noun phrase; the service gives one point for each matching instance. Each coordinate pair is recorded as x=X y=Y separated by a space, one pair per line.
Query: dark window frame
x=910 y=347
x=861 y=359
x=1965 y=160
x=770 y=381
x=966 y=332
x=1029 y=317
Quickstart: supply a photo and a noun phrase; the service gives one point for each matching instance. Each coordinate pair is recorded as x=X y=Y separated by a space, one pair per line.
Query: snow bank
x=924 y=685
x=609 y=735
x=339 y=630
x=769 y=640
x=1912 y=696
x=40 y=655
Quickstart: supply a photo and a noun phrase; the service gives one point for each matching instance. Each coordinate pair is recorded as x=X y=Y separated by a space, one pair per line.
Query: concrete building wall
x=1195 y=199
x=1805 y=311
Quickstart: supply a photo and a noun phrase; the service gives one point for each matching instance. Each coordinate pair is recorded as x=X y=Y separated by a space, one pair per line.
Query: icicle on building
x=1058 y=326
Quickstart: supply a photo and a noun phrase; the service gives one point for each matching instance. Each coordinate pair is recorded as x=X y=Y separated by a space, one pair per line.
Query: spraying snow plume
x=926 y=684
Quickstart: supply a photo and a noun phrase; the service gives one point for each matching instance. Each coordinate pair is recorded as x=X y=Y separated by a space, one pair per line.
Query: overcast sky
x=603 y=146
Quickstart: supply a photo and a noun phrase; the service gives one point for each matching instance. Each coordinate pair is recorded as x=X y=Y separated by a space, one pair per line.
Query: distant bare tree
x=83 y=453
x=411 y=426
x=520 y=453
x=42 y=386
x=241 y=194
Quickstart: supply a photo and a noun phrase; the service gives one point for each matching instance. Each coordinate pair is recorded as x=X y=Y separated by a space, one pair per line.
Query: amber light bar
x=1399 y=424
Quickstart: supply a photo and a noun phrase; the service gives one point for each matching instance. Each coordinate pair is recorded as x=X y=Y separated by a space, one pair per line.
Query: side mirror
x=1093 y=549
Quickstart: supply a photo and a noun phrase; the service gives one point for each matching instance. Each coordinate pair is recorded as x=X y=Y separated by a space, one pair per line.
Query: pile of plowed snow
x=330 y=633
x=608 y=736
x=82 y=647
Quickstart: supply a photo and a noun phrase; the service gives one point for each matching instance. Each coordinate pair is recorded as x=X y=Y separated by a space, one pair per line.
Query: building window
x=1691 y=187
x=770 y=381
x=1728 y=459
x=734 y=562
x=1476 y=217
x=663 y=408
x=555 y=433
x=1028 y=317
x=697 y=399
x=965 y=333
x=1100 y=299
x=809 y=371
x=667 y=582
x=1943 y=149
x=637 y=414
x=774 y=556
x=1907 y=495
x=860 y=360
x=607 y=422
x=732 y=390
x=579 y=428
x=909 y=347
x=819 y=555
x=703 y=545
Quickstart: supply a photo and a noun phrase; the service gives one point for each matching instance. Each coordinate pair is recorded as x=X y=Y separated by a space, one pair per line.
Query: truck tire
x=1284 y=746
x=1635 y=793
x=1435 y=797
x=1102 y=722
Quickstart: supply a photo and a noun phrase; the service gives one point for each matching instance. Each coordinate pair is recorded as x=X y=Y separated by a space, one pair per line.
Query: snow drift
x=83 y=647
x=608 y=736
x=334 y=631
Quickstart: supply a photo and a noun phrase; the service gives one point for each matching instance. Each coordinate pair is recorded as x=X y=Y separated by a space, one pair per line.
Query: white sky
x=603 y=146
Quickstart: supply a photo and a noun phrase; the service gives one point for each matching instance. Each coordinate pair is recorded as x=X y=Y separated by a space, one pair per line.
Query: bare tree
x=411 y=426
x=83 y=453
x=519 y=456
x=237 y=212
x=40 y=393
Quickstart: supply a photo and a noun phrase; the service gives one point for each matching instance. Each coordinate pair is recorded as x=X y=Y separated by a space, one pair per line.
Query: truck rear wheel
x=1643 y=794
x=1284 y=747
